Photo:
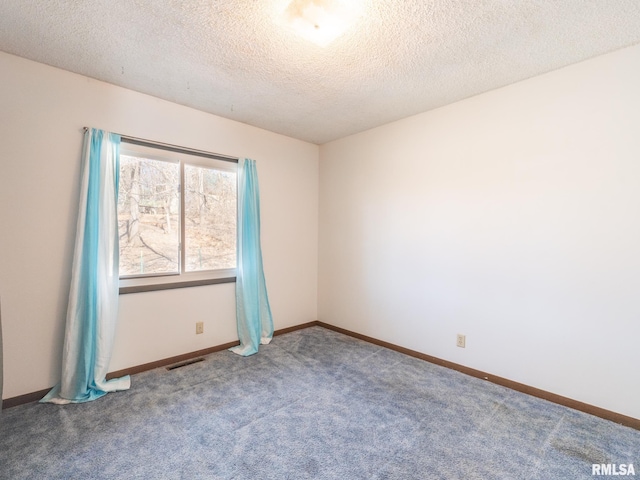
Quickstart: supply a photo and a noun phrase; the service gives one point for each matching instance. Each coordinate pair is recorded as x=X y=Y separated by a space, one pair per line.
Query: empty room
x=319 y=239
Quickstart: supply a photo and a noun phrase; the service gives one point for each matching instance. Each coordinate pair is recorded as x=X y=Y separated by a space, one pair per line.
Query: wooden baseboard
x=169 y=361
x=26 y=398
x=520 y=387
x=302 y=326
x=35 y=396
x=198 y=353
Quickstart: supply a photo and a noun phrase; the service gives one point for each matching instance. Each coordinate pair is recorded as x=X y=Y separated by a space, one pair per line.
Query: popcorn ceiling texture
x=234 y=59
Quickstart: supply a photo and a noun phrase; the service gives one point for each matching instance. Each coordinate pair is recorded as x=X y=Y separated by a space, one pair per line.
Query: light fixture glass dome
x=321 y=21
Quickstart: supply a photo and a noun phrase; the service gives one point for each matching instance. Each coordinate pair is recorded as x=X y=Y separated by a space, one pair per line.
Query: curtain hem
x=108 y=386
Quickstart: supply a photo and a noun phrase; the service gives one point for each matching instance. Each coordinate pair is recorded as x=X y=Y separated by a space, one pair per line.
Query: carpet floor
x=314 y=404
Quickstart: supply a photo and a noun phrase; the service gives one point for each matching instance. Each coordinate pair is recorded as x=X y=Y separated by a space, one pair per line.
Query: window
x=176 y=217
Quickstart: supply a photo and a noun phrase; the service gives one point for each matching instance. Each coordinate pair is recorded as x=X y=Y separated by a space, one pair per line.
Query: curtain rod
x=173 y=148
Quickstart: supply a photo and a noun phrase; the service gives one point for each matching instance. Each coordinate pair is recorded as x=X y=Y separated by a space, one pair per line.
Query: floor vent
x=184 y=364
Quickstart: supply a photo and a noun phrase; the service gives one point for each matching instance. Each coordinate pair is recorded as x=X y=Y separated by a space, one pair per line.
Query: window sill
x=151 y=284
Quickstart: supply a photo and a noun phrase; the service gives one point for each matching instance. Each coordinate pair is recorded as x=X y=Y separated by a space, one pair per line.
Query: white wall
x=42 y=112
x=512 y=217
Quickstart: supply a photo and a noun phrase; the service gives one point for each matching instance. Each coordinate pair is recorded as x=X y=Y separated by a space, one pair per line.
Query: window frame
x=183 y=156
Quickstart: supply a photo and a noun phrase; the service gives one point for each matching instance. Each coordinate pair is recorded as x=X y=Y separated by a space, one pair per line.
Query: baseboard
x=35 y=396
x=520 y=387
x=169 y=361
x=302 y=326
x=198 y=353
x=26 y=398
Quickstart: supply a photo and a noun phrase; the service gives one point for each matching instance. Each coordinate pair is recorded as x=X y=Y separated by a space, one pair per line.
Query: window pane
x=148 y=216
x=210 y=218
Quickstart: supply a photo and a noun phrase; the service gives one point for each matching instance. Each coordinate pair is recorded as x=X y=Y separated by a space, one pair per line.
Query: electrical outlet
x=199 y=328
x=461 y=340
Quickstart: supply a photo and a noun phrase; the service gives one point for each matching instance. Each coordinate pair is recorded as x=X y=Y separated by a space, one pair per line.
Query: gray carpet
x=312 y=405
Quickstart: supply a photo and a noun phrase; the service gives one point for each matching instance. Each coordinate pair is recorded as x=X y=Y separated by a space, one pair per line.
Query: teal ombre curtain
x=93 y=297
x=253 y=314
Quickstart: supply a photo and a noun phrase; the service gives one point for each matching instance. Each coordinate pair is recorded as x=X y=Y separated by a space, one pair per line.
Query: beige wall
x=512 y=217
x=42 y=112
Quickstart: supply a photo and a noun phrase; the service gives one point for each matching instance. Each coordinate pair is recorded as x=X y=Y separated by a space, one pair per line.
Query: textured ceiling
x=234 y=59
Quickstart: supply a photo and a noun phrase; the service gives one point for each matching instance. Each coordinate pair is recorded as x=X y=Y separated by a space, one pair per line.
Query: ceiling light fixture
x=321 y=21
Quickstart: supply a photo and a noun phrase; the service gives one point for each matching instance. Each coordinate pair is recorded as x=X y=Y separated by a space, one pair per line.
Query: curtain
x=253 y=313
x=93 y=297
